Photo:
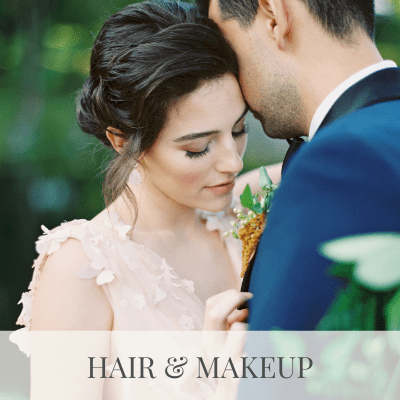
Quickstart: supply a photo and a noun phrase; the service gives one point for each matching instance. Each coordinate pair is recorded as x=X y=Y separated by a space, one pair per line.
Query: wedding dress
x=144 y=291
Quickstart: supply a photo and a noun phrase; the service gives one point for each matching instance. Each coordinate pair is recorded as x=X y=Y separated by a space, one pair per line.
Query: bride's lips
x=223 y=188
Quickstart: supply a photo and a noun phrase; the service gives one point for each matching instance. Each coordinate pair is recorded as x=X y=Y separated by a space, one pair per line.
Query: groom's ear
x=275 y=15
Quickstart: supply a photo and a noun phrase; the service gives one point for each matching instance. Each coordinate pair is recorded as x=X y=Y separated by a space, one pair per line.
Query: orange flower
x=250 y=234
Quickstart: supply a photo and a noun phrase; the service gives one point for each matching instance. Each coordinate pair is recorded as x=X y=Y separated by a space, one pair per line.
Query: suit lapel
x=246 y=278
x=379 y=87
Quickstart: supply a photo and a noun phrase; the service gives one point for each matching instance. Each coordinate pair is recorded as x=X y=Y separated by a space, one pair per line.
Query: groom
x=311 y=68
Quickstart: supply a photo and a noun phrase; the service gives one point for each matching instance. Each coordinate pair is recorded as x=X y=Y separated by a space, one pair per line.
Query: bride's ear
x=116 y=138
x=276 y=20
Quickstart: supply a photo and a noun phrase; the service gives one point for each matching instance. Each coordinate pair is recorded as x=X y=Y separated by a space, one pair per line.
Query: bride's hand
x=221 y=310
x=224 y=336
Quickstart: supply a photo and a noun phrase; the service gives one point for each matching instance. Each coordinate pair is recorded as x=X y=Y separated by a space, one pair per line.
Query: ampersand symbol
x=177 y=370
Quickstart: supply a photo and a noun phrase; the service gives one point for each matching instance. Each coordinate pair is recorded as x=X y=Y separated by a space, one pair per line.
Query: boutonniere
x=250 y=223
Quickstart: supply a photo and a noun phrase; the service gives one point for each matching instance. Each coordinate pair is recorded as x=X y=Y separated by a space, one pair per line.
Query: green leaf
x=341 y=270
x=258 y=209
x=269 y=199
x=246 y=198
x=392 y=314
x=264 y=179
x=354 y=308
x=353 y=248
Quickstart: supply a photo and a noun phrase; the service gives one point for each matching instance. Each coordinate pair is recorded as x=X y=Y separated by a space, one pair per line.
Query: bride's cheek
x=189 y=178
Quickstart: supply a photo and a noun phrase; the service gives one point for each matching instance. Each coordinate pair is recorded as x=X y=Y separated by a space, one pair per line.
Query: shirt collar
x=330 y=100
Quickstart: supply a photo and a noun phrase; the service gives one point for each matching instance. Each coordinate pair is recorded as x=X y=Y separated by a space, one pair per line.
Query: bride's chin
x=218 y=205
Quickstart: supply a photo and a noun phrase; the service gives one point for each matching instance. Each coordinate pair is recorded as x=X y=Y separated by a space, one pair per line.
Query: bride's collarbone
x=169 y=245
x=202 y=259
x=207 y=264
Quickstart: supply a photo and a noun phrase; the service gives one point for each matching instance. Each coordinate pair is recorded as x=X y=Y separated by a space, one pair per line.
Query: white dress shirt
x=330 y=100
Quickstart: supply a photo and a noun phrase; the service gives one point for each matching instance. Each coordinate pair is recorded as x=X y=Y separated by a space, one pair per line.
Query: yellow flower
x=250 y=234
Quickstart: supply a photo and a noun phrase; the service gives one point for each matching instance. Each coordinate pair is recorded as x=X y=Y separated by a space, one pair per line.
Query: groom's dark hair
x=338 y=17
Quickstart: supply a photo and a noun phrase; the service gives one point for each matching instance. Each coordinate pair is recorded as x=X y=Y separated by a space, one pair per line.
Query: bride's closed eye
x=240 y=133
x=196 y=154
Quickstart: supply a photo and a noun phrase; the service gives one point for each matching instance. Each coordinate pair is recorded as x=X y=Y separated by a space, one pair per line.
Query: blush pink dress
x=143 y=289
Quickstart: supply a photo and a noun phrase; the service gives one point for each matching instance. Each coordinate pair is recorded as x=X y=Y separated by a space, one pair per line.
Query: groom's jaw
x=286 y=73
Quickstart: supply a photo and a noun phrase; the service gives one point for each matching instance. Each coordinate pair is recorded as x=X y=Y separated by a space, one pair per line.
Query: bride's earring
x=135 y=178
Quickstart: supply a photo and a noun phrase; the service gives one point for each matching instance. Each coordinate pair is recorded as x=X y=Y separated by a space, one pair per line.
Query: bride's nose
x=228 y=159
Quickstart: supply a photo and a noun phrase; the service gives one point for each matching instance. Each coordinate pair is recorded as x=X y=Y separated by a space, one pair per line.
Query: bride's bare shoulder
x=68 y=260
x=64 y=301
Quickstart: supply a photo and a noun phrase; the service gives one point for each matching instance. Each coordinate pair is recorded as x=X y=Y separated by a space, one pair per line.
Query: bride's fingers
x=219 y=307
x=237 y=316
x=236 y=340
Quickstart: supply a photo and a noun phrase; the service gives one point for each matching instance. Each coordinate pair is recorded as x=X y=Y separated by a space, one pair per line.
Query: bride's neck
x=158 y=213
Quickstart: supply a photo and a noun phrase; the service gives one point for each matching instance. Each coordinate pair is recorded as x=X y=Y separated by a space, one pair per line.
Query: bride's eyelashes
x=240 y=133
x=196 y=154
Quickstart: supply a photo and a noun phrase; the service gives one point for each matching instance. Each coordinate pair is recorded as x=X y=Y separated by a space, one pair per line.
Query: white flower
x=26 y=313
x=122 y=230
x=54 y=246
x=22 y=339
x=51 y=241
x=137 y=301
x=104 y=277
x=377 y=258
x=96 y=239
x=186 y=323
x=188 y=285
x=44 y=229
x=99 y=263
x=167 y=277
x=157 y=294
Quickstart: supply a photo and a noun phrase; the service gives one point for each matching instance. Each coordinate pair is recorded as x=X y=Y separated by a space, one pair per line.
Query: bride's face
x=198 y=153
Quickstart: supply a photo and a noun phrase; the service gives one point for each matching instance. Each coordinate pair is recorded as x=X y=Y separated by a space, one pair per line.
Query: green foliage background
x=49 y=169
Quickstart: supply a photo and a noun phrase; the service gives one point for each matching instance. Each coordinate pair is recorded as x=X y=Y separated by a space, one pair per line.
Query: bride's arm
x=251 y=178
x=65 y=303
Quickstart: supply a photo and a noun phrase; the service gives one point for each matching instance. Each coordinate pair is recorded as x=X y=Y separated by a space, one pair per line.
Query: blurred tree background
x=50 y=171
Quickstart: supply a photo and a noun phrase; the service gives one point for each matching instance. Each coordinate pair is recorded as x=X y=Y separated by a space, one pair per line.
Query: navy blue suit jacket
x=345 y=181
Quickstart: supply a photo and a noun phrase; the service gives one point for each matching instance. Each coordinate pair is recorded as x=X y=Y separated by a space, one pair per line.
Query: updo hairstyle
x=145 y=58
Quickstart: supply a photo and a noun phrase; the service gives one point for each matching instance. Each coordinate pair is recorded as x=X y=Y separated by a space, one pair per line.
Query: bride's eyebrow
x=192 y=136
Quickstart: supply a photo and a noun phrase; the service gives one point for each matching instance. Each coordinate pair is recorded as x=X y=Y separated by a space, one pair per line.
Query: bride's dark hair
x=145 y=58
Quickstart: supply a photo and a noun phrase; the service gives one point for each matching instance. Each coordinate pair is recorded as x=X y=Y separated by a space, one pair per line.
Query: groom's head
x=290 y=53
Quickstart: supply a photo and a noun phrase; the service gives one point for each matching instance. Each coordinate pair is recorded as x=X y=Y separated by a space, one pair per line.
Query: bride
x=162 y=92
